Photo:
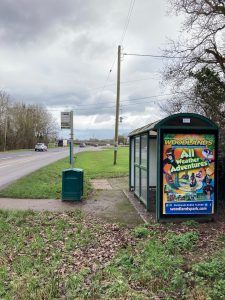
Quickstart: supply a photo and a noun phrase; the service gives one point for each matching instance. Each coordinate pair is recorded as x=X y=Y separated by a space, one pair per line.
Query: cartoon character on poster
x=188 y=173
x=169 y=160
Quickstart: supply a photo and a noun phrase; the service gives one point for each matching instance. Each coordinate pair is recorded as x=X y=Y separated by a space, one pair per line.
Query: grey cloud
x=81 y=102
x=25 y=20
x=59 y=53
x=101 y=118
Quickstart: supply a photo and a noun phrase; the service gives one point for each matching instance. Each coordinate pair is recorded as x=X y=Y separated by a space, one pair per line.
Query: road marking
x=29 y=159
x=17 y=162
x=5 y=166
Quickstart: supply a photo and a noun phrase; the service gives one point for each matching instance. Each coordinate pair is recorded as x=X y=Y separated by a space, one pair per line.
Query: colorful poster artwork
x=188 y=173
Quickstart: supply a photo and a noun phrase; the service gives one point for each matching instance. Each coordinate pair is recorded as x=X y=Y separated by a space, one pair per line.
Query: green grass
x=46 y=183
x=99 y=164
x=36 y=249
x=17 y=150
x=50 y=256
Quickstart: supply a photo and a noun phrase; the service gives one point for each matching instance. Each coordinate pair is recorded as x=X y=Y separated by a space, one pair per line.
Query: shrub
x=140 y=231
x=181 y=242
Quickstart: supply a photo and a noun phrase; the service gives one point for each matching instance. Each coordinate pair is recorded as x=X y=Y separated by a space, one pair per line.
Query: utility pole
x=117 y=106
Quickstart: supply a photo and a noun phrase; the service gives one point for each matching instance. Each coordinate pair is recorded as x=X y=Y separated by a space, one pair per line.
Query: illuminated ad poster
x=188 y=173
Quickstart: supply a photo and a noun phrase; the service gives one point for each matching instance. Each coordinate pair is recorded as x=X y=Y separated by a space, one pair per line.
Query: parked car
x=40 y=147
x=82 y=145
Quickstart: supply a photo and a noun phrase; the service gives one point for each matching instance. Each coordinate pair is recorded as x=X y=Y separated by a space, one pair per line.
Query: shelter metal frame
x=146 y=158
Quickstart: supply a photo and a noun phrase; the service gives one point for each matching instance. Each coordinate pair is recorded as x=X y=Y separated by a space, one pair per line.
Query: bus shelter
x=173 y=167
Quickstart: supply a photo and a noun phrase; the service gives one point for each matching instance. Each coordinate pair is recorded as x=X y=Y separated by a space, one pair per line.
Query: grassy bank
x=47 y=182
x=69 y=256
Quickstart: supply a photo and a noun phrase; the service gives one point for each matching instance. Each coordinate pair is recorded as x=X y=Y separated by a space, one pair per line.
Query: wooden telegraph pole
x=117 y=106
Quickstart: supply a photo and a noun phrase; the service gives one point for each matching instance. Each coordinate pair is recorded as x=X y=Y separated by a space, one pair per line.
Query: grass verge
x=46 y=183
x=69 y=256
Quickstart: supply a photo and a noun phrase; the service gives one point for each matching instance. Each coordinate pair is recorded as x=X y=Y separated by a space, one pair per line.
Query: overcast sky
x=59 y=53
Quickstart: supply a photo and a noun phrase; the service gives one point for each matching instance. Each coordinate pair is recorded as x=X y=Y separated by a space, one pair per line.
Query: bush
x=140 y=232
x=177 y=243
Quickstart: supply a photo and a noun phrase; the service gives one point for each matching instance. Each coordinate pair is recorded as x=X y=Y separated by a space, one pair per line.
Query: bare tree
x=4 y=113
x=201 y=47
x=206 y=96
x=23 y=125
x=202 y=39
x=196 y=68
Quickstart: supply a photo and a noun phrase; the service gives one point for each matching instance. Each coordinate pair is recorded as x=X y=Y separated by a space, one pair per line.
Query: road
x=14 y=165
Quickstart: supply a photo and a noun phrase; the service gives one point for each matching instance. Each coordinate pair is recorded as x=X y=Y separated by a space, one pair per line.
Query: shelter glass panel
x=137 y=181
x=144 y=141
x=137 y=149
x=144 y=185
x=152 y=162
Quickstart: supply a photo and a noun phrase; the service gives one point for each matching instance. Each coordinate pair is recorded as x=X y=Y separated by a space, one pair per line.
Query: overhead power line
x=110 y=107
x=132 y=2
x=127 y=100
x=127 y=82
x=152 y=55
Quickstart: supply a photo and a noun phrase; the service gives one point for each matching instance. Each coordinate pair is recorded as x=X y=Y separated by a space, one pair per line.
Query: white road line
x=21 y=161
x=56 y=153
x=17 y=162
x=5 y=166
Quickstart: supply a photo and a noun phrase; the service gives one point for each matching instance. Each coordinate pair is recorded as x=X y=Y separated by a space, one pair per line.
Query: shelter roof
x=182 y=120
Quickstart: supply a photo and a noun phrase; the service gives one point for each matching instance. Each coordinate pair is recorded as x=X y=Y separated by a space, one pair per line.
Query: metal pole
x=5 y=134
x=71 y=140
x=117 y=106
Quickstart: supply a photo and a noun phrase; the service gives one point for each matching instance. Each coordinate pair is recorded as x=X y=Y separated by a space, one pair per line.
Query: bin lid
x=73 y=170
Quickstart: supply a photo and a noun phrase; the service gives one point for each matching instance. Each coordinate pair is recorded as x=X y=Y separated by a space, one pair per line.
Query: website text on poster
x=188 y=173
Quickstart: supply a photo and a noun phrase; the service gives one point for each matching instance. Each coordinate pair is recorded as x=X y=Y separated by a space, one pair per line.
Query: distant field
x=47 y=182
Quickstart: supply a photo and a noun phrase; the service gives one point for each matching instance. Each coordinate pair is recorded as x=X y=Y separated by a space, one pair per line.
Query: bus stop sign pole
x=71 y=141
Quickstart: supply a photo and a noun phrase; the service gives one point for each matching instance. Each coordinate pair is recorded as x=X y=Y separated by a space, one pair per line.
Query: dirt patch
x=110 y=202
x=119 y=183
x=113 y=206
x=101 y=184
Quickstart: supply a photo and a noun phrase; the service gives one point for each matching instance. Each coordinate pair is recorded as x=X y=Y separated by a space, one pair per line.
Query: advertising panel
x=188 y=173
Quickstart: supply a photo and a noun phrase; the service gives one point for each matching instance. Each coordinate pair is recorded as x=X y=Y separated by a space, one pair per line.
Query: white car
x=40 y=147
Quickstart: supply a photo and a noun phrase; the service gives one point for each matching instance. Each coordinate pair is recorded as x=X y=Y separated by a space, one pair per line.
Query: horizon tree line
x=23 y=125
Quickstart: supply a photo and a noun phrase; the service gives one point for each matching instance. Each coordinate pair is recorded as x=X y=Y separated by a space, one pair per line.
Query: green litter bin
x=72 y=184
